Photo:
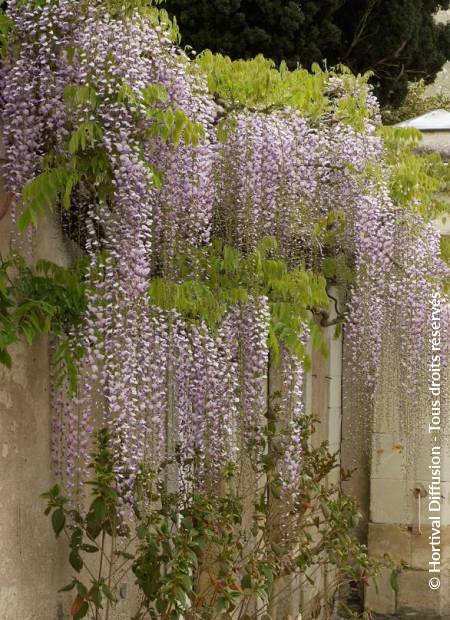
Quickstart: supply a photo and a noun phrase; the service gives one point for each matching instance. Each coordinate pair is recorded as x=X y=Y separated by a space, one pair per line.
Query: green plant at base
x=87 y=535
x=197 y=555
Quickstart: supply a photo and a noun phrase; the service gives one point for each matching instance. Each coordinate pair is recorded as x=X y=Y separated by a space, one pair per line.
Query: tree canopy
x=398 y=40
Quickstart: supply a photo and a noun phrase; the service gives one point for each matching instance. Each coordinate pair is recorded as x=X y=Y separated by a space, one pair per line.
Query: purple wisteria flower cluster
x=170 y=390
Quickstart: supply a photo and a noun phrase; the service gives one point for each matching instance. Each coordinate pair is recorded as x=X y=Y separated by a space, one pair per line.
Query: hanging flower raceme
x=266 y=174
x=32 y=105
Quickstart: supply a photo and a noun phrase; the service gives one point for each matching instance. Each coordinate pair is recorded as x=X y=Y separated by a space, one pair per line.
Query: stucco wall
x=33 y=565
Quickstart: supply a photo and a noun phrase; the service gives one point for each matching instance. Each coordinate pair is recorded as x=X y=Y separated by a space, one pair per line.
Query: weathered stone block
x=395 y=540
x=389 y=501
x=416 y=596
x=388 y=456
x=379 y=596
x=421 y=550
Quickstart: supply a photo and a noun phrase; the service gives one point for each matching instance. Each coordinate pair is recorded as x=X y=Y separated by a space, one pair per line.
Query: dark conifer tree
x=398 y=40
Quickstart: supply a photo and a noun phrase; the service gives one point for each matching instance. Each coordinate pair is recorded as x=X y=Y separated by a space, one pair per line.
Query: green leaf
x=161 y=605
x=246 y=581
x=89 y=548
x=86 y=135
x=98 y=509
x=186 y=581
x=81 y=589
x=277 y=549
x=394 y=580
x=80 y=95
x=69 y=587
x=71 y=182
x=97 y=512
x=5 y=358
x=96 y=516
x=75 y=560
x=107 y=592
x=180 y=595
x=58 y=521
x=154 y=93
x=41 y=194
x=221 y=604
x=96 y=597
x=76 y=538
x=55 y=491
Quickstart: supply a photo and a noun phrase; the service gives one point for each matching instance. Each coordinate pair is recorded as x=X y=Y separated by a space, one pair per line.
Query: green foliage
x=44 y=191
x=167 y=124
x=258 y=84
x=51 y=299
x=225 y=277
x=167 y=557
x=172 y=126
x=445 y=248
x=445 y=255
x=85 y=135
x=87 y=534
x=197 y=555
x=77 y=95
x=337 y=271
x=39 y=301
x=417 y=102
x=85 y=161
x=417 y=181
x=396 y=41
x=5 y=29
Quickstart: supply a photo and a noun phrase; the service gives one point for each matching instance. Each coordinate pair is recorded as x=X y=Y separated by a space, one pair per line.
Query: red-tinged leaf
x=5 y=204
x=82 y=612
x=77 y=605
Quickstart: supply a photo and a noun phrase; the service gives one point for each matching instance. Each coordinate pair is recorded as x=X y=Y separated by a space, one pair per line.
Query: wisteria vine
x=104 y=106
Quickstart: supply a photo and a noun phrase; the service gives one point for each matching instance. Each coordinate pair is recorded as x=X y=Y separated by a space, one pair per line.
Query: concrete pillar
x=323 y=396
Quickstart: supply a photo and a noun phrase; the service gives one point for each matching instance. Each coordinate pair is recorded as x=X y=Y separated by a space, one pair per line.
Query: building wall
x=33 y=564
x=399 y=522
